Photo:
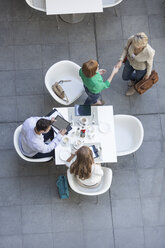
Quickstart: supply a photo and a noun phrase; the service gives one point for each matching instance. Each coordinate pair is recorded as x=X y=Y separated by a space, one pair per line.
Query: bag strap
x=129 y=47
x=61 y=82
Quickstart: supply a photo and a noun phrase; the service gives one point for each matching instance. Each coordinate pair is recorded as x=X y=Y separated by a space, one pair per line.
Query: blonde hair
x=89 y=68
x=140 y=40
x=83 y=164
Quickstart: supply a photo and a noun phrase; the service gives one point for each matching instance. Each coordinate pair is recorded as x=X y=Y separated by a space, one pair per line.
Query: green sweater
x=94 y=84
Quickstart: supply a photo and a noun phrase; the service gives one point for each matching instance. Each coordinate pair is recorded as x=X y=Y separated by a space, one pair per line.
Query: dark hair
x=42 y=124
x=82 y=166
x=89 y=68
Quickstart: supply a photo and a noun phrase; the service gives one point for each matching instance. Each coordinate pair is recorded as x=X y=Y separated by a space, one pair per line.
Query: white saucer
x=64 y=155
x=104 y=127
x=82 y=123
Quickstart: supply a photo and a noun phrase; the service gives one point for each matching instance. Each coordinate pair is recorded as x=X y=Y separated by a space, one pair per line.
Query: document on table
x=58 y=7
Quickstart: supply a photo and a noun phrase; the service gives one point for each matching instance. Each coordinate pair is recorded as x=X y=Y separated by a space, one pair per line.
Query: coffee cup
x=84 y=120
x=65 y=140
x=77 y=143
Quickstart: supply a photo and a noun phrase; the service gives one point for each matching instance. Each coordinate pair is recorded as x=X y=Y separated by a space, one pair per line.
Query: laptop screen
x=82 y=110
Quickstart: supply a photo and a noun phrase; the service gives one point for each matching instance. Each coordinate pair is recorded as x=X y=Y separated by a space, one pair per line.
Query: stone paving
x=132 y=213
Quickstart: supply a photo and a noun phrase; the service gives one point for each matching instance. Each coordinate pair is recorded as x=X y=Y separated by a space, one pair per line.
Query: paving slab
x=129 y=237
x=7 y=58
x=155 y=7
x=6 y=134
x=152 y=126
x=82 y=51
x=127 y=213
x=36 y=219
x=8 y=109
x=7 y=78
x=32 y=105
x=151 y=182
x=27 y=32
x=105 y=23
x=153 y=211
x=10 y=218
x=53 y=53
x=144 y=158
x=68 y=239
x=29 y=82
x=134 y=24
x=35 y=190
x=96 y=238
x=154 y=237
x=133 y=8
x=38 y=240
x=32 y=53
x=66 y=217
x=157 y=26
x=10 y=191
x=14 y=241
x=125 y=184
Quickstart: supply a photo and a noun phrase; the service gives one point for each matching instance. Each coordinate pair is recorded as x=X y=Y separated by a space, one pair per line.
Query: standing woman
x=139 y=60
x=93 y=81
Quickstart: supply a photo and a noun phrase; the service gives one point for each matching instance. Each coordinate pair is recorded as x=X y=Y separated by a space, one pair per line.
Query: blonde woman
x=82 y=165
x=139 y=60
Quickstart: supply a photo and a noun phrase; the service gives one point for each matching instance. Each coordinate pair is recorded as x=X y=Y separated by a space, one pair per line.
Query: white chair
x=102 y=188
x=110 y=3
x=17 y=148
x=65 y=70
x=37 y=4
x=129 y=134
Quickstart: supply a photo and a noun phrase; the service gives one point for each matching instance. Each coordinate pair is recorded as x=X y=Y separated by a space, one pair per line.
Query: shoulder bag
x=59 y=91
x=143 y=85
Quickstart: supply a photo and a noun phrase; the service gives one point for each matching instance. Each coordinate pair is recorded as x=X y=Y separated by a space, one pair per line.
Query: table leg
x=72 y=18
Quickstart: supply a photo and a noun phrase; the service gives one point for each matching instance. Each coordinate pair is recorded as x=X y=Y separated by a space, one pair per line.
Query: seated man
x=35 y=132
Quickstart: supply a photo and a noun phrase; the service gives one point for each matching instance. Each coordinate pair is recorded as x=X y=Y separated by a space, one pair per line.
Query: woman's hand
x=119 y=64
x=146 y=77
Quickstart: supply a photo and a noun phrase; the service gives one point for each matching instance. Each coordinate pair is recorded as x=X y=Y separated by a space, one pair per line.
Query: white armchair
x=17 y=148
x=37 y=4
x=129 y=134
x=110 y=3
x=65 y=70
x=100 y=189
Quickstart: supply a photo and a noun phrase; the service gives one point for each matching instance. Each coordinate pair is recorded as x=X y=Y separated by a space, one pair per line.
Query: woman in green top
x=93 y=81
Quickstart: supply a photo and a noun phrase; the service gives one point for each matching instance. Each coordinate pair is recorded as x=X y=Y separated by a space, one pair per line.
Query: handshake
x=114 y=71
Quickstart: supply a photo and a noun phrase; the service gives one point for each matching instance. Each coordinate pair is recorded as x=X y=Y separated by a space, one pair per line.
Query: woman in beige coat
x=139 y=60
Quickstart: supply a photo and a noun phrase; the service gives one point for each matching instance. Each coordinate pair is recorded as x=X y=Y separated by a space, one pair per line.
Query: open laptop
x=82 y=110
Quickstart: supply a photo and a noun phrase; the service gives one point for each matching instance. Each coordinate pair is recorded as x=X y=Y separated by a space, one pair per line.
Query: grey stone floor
x=132 y=213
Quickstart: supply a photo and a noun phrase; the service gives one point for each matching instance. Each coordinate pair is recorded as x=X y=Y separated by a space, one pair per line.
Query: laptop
x=82 y=110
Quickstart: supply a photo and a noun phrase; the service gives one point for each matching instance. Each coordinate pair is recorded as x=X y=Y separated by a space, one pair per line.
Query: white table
x=56 y=7
x=107 y=140
x=73 y=11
